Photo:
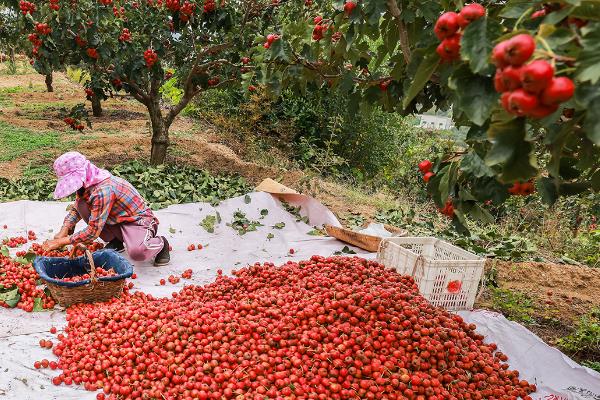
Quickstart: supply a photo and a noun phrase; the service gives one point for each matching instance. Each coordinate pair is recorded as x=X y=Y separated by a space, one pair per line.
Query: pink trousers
x=139 y=237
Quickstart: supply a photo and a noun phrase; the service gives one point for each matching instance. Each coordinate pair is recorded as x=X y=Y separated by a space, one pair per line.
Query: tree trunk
x=160 y=134
x=96 y=106
x=49 y=87
x=12 y=57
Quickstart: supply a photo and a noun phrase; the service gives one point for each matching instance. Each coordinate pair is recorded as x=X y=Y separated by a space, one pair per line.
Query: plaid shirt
x=112 y=201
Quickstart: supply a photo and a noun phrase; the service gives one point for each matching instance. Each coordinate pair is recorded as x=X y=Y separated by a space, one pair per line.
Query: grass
x=515 y=305
x=586 y=336
x=16 y=142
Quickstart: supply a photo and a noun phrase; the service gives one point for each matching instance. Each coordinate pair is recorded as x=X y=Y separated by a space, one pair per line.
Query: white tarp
x=20 y=332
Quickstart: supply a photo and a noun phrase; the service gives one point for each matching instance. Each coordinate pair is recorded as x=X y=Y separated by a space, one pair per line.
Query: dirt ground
x=560 y=293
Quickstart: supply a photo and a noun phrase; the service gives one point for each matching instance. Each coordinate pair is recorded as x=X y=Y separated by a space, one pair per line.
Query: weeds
x=516 y=306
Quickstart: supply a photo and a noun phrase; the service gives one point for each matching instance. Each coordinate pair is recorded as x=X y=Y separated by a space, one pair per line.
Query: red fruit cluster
x=46 y=344
x=75 y=124
x=54 y=5
x=271 y=37
x=13 y=242
x=106 y=2
x=150 y=57
x=89 y=93
x=209 y=6
x=24 y=278
x=245 y=60
x=34 y=39
x=173 y=279
x=27 y=7
x=92 y=52
x=448 y=209
x=187 y=274
x=326 y=328
x=320 y=28
x=80 y=41
x=522 y=189
x=173 y=5
x=118 y=11
x=425 y=168
x=447 y=29
x=125 y=35
x=529 y=90
x=187 y=10
x=77 y=252
x=336 y=36
x=214 y=81
x=349 y=6
x=42 y=28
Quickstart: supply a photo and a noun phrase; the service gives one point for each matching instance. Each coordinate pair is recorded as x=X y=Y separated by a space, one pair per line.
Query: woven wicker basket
x=91 y=291
x=365 y=242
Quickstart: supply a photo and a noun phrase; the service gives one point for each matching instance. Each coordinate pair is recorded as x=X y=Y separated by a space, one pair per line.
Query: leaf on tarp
x=5 y=251
x=264 y=212
x=172 y=230
x=344 y=250
x=37 y=304
x=426 y=68
x=477 y=42
x=11 y=297
x=247 y=199
x=208 y=223
x=279 y=225
x=270 y=236
x=316 y=232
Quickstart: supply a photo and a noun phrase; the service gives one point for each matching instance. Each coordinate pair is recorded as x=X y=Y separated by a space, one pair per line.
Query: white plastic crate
x=447 y=276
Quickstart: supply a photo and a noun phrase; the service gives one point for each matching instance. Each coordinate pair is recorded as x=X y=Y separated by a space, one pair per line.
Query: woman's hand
x=63 y=233
x=55 y=243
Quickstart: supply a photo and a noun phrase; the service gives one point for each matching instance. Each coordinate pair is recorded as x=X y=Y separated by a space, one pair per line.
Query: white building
x=435 y=122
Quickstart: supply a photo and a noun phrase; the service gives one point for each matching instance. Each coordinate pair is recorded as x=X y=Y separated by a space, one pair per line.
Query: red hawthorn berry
x=470 y=13
x=536 y=76
x=383 y=86
x=499 y=53
x=511 y=78
x=519 y=49
x=251 y=88
x=542 y=110
x=425 y=166
x=446 y=25
x=271 y=37
x=428 y=176
x=245 y=60
x=92 y=53
x=558 y=91
x=317 y=20
x=504 y=100
x=539 y=14
x=349 y=6
x=521 y=103
x=449 y=48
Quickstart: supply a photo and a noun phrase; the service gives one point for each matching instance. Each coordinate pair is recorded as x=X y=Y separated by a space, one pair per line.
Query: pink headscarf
x=75 y=171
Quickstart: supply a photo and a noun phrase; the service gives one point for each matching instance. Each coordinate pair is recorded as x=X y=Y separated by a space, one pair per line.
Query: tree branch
x=402 y=31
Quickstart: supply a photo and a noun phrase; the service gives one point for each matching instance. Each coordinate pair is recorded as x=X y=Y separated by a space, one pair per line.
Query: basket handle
x=418 y=262
x=90 y=258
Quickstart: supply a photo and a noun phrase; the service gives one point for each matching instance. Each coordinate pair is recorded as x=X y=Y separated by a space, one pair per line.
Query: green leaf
x=208 y=223
x=37 y=304
x=11 y=297
x=5 y=251
x=264 y=212
x=588 y=61
x=279 y=225
x=424 y=72
x=548 y=190
x=270 y=236
x=510 y=149
x=515 y=8
x=477 y=42
x=596 y=181
x=473 y=164
x=172 y=230
x=475 y=94
x=247 y=199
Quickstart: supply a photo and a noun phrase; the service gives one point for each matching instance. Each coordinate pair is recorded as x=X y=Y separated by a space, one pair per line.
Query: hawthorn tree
x=134 y=45
x=521 y=77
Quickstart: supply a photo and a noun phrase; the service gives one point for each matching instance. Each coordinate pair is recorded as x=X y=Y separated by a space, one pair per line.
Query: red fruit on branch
x=245 y=60
x=425 y=166
x=542 y=111
x=251 y=88
x=499 y=82
x=521 y=103
x=383 y=86
x=428 y=176
x=271 y=37
x=519 y=49
x=92 y=53
x=558 y=91
x=317 y=20
x=209 y=6
x=470 y=13
x=539 y=14
x=449 y=48
x=150 y=57
x=511 y=78
x=89 y=92
x=536 y=76
x=26 y=7
x=499 y=53
x=448 y=209
x=504 y=100
x=446 y=25
x=125 y=35
x=349 y=6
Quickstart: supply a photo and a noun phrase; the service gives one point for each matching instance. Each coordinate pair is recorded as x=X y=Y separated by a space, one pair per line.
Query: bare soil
x=561 y=293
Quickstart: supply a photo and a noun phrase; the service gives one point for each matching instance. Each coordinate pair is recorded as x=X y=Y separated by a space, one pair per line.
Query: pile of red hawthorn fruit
x=100 y=273
x=448 y=29
x=326 y=328
x=530 y=89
